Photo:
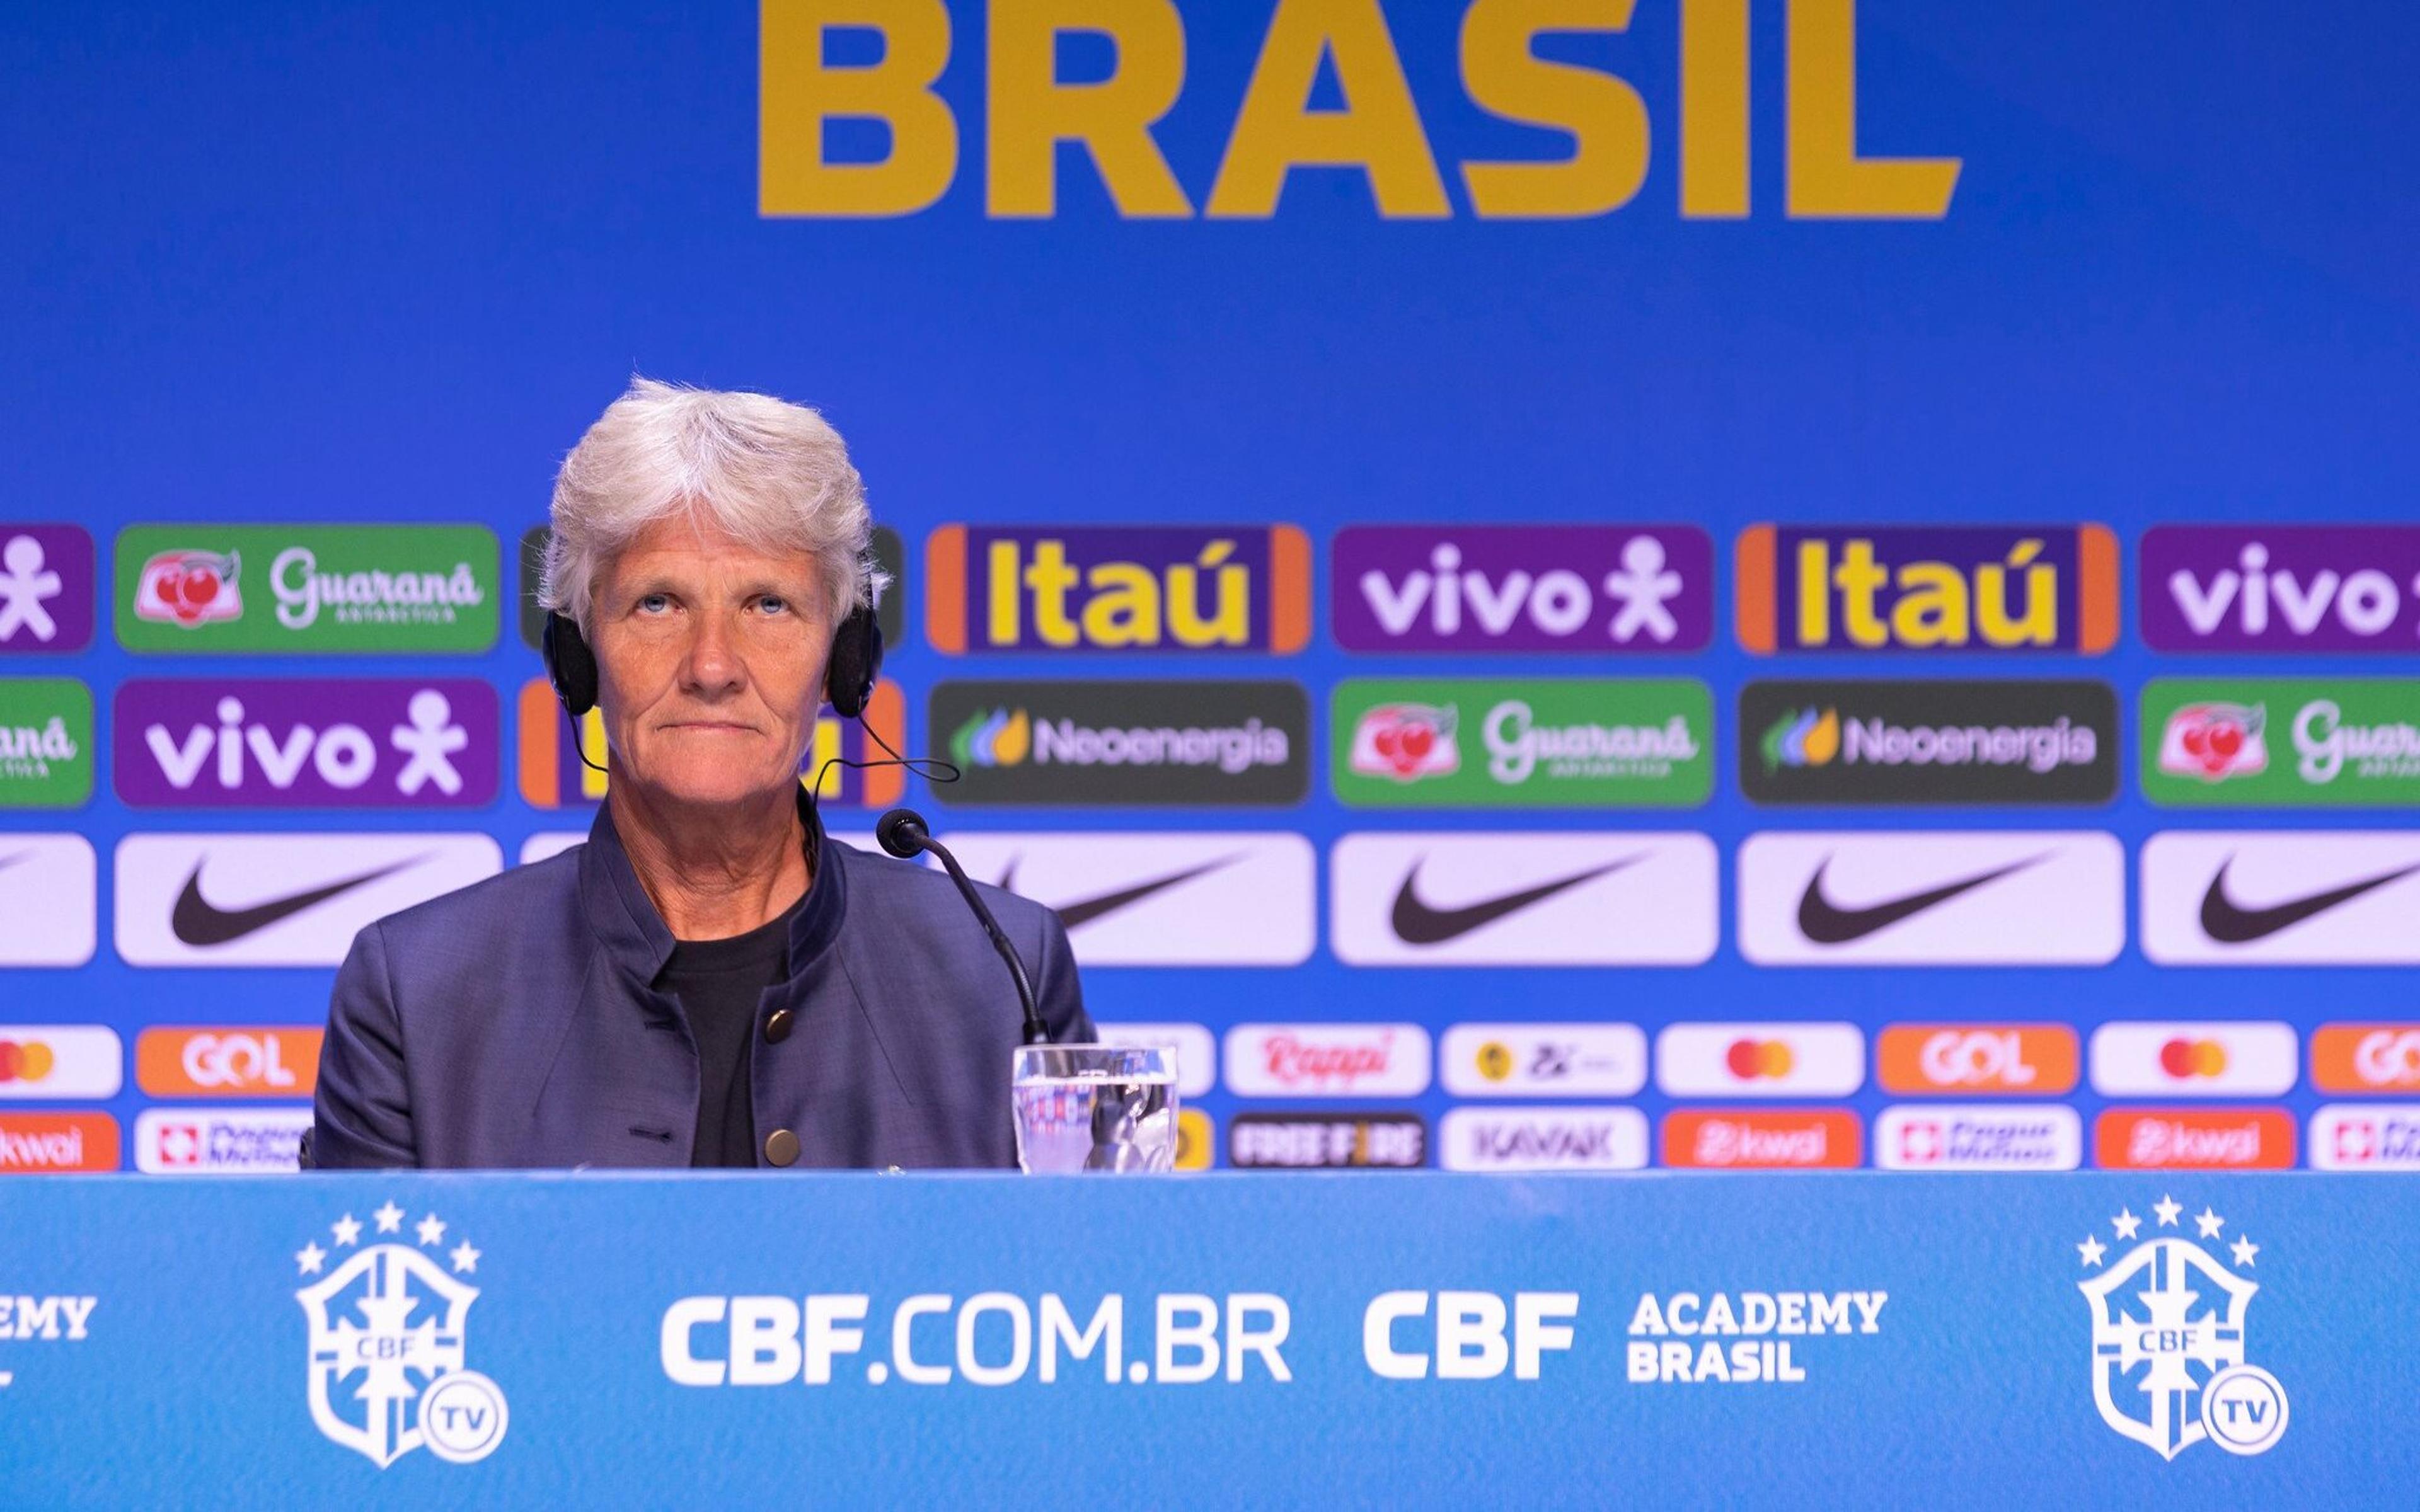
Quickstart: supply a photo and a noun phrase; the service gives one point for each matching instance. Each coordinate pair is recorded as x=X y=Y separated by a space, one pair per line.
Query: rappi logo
x=2213 y=742
x=228 y=1062
x=1327 y=1060
x=2005 y=1060
x=2366 y=1058
x=1587 y=588
x=1928 y=588
x=190 y=588
x=2269 y=588
x=1144 y=588
x=1406 y=742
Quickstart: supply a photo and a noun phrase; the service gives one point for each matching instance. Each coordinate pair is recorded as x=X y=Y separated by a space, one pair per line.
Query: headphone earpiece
x=570 y=665
x=855 y=663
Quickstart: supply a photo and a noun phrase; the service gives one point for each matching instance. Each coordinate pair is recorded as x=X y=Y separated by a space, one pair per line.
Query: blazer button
x=777 y=1025
x=782 y=1148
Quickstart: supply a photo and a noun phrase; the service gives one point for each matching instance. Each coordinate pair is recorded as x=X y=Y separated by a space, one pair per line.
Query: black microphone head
x=902 y=833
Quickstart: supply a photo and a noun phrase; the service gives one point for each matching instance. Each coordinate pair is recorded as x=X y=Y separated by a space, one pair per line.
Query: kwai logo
x=320 y=743
x=1968 y=742
x=2351 y=741
x=46 y=588
x=2170 y=1335
x=1148 y=588
x=328 y=588
x=1585 y=589
x=1562 y=743
x=1928 y=588
x=390 y=1341
x=2267 y=588
x=1102 y=743
x=45 y=743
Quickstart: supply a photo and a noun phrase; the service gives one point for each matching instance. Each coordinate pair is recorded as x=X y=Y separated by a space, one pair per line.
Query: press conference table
x=1432 y=1340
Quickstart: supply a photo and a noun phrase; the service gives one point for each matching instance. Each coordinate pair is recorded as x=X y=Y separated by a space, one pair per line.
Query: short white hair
x=765 y=471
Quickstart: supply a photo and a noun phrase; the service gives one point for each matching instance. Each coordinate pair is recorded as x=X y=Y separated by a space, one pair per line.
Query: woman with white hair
x=709 y=980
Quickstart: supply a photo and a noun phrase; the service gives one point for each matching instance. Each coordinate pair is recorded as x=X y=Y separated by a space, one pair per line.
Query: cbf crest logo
x=2168 y=1337
x=389 y=1338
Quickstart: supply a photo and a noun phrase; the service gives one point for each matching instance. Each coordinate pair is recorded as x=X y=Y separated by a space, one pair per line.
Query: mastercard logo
x=25 y=1060
x=1750 y=1060
x=2184 y=1059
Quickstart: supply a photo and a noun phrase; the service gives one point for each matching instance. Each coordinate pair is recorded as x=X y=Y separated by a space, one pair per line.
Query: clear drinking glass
x=1095 y=1107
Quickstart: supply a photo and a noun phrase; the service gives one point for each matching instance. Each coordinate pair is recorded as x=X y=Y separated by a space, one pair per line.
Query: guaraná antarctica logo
x=390 y=1338
x=201 y=588
x=2169 y=1337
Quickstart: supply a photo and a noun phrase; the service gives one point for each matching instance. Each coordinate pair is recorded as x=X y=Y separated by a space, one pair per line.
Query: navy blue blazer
x=511 y=1023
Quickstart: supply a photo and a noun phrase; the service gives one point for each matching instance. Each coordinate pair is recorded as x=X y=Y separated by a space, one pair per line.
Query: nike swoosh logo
x=198 y=922
x=1076 y=914
x=1416 y=923
x=1825 y=922
x=2223 y=921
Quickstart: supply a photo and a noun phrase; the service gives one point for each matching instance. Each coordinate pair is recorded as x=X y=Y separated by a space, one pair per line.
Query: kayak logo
x=2193 y=1139
x=1560 y=742
x=1533 y=897
x=47 y=899
x=2366 y=1058
x=2280 y=587
x=1310 y=1141
x=2352 y=741
x=40 y=1144
x=1543 y=1060
x=46 y=588
x=1193 y=898
x=1950 y=1137
x=1928 y=588
x=1405 y=741
x=314 y=743
x=190 y=588
x=1760 y=1059
x=1938 y=742
x=1136 y=588
x=1327 y=1060
x=219 y=1142
x=2013 y=1060
x=278 y=900
x=248 y=1062
x=2164 y=1374
x=560 y=763
x=1814 y=1139
x=1125 y=742
x=1931 y=898
x=2212 y=742
x=2346 y=1137
x=1585 y=589
x=1543 y=1139
x=2163 y=1059
x=57 y=1061
x=2282 y=898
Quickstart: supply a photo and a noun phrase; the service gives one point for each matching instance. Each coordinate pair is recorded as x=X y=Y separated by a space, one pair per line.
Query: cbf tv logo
x=2168 y=1337
x=389 y=1340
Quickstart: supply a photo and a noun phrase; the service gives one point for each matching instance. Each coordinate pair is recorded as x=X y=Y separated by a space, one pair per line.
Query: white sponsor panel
x=1327 y=1060
x=2281 y=898
x=1543 y=1140
x=1760 y=1059
x=1197 y=1053
x=215 y=1141
x=549 y=843
x=49 y=901
x=41 y=1062
x=1979 y=1136
x=2194 y=1059
x=1525 y=897
x=2366 y=1136
x=1194 y=898
x=1543 y=1060
x=278 y=900
x=2021 y=897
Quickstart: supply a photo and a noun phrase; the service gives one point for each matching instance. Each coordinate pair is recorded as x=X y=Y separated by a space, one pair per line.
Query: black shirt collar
x=634 y=935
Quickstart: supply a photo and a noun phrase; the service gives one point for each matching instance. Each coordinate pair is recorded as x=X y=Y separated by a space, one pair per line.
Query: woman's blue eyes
x=773 y=605
x=654 y=602
x=763 y=604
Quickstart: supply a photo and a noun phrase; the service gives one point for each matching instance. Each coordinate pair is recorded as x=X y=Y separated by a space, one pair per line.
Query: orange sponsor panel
x=1967 y=1059
x=2193 y=1139
x=228 y=1062
x=2367 y=1058
x=1763 y=1139
x=33 y=1144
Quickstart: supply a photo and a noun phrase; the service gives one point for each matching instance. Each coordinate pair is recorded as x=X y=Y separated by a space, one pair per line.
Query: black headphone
x=849 y=674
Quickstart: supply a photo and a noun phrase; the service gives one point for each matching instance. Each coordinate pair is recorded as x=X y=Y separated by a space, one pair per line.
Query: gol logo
x=2366 y=1058
x=1750 y=1059
x=2185 y=1059
x=25 y=1060
x=228 y=1062
x=2028 y=1060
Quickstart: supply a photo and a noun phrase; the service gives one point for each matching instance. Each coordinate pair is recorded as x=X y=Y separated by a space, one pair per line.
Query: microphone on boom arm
x=903 y=833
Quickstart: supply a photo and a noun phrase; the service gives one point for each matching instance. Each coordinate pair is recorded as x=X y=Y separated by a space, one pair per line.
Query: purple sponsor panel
x=2316 y=588
x=46 y=588
x=1586 y=589
x=306 y=742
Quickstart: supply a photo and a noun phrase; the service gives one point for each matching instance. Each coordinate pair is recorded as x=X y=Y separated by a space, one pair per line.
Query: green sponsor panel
x=46 y=752
x=1490 y=743
x=214 y=589
x=2285 y=742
